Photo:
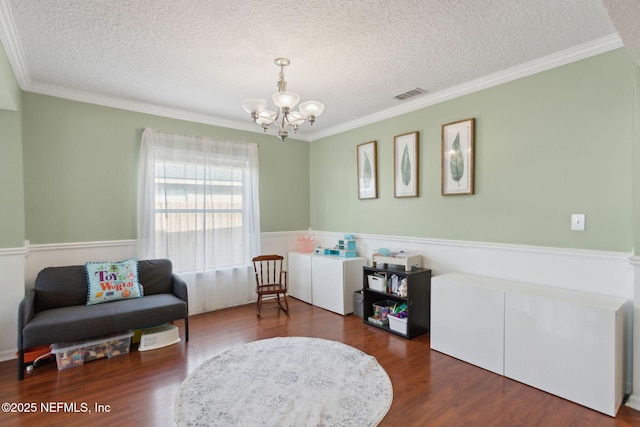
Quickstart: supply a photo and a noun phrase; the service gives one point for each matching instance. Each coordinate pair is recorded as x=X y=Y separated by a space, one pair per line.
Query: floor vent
x=413 y=92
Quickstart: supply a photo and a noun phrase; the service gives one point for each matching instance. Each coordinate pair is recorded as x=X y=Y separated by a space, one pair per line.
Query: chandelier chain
x=282 y=84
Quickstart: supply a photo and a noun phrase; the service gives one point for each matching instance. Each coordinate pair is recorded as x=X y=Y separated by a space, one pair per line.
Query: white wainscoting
x=61 y=254
x=634 y=399
x=600 y=272
x=608 y=273
x=11 y=293
x=19 y=268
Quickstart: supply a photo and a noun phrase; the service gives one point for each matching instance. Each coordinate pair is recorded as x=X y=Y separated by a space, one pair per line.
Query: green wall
x=548 y=145
x=80 y=168
x=12 y=219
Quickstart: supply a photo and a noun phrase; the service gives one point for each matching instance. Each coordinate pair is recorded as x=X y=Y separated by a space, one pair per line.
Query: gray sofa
x=55 y=309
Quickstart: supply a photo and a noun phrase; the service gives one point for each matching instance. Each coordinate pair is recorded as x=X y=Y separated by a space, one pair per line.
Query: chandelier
x=284 y=118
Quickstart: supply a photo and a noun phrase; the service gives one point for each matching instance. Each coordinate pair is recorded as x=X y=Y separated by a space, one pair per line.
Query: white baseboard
x=8 y=354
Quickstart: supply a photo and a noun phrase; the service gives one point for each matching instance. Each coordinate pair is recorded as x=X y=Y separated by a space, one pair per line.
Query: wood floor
x=430 y=389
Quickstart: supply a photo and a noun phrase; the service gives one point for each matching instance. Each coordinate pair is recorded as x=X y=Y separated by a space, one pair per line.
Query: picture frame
x=405 y=164
x=458 y=146
x=367 y=155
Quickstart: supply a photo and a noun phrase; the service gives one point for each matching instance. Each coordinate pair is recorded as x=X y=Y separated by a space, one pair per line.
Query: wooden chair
x=271 y=279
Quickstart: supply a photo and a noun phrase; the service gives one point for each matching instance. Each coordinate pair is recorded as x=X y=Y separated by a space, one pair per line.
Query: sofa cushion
x=64 y=286
x=148 y=311
x=156 y=276
x=79 y=322
x=112 y=281
x=65 y=324
x=60 y=287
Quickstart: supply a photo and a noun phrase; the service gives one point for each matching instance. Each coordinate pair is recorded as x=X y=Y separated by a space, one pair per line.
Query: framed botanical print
x=405 y=165
x=458 y=142
x=367 y=170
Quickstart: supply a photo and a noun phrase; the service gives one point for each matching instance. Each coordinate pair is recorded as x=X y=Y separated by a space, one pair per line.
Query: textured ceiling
x=199 y=59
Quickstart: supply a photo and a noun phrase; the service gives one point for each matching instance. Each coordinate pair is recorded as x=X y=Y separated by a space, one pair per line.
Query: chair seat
x=271 y=289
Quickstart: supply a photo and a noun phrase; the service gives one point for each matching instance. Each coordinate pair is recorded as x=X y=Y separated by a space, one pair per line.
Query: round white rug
x=293 y=381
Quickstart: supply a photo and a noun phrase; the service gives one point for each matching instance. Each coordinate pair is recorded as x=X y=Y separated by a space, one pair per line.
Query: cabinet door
x=327 y=276
x=467 y=322
x=566 y=348
x=334 y=282
x=300 y=276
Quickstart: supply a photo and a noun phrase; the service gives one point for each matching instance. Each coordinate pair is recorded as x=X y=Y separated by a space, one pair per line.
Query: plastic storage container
x=358 y=303
x=397 y=324
x=377 y=283
x=76 y=353
x=158 y=337
x=382 y=309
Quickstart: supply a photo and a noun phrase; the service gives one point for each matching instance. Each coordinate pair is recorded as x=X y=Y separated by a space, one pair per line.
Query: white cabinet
x=329 y=280
x=299 y=268
x=567 y=343
x=467 y=321
x=564 y=342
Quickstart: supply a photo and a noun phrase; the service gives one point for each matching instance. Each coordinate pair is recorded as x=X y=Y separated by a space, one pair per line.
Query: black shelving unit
x=418 y=297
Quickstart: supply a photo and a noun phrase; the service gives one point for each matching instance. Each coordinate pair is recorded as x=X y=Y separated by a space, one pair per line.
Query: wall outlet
x=577 y=222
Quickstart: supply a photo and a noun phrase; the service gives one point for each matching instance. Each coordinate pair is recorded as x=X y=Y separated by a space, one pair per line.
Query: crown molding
x=147 y=108
x=548 y=62
x=12 y=45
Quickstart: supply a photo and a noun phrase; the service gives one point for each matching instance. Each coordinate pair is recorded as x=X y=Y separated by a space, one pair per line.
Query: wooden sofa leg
x=21 y=364
x=186 y=328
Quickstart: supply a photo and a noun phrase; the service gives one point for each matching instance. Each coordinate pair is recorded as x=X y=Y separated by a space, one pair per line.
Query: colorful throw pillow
x=112 y=281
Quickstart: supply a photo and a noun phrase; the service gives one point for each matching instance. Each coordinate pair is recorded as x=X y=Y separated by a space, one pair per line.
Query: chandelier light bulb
x=286 y=99
x=254 y=106
x=311 y=109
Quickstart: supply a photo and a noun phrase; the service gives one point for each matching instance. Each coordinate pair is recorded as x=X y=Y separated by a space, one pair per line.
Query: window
x=198 y=202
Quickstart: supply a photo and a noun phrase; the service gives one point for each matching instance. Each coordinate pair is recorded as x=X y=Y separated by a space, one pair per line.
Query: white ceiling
x=198 y=59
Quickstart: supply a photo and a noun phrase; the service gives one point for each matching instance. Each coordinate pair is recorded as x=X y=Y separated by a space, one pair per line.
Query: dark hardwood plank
x=430 y=388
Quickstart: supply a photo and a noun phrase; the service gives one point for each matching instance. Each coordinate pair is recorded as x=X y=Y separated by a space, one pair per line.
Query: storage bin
x=397 y=324
x=377 y=283
x=382 y=308
x=378 y=321
x=158 y=337
x=76 y=353
x=305 y=244
x=358 y=303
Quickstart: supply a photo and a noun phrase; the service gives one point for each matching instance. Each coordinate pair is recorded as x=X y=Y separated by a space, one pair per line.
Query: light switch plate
x=577 y=222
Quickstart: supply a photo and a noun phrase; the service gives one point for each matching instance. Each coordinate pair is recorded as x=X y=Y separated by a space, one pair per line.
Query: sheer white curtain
x=198 y=206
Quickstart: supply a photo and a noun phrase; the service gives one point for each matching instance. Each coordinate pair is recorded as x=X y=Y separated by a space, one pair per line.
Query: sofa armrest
x=180 y=288
x=26 y=311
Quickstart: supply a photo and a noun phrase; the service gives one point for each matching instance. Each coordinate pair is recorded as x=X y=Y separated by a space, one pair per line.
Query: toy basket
x=305 y=244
